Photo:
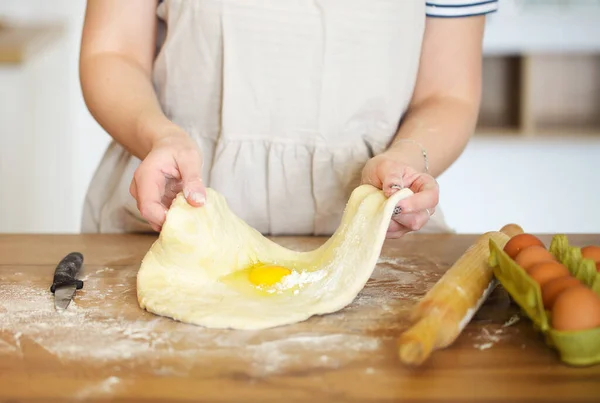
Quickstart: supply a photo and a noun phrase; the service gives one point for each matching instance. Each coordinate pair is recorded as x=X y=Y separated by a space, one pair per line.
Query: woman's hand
x=387 y=172
x=173 y=164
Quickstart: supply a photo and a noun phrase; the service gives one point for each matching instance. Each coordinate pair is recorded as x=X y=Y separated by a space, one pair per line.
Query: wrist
x=156 y=130
x=411 y=153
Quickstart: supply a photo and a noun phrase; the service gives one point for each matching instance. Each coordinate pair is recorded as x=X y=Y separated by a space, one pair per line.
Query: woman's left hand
x=387 y=172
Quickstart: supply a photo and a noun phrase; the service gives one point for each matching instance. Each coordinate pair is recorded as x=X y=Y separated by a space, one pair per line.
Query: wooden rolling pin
x=450 y=304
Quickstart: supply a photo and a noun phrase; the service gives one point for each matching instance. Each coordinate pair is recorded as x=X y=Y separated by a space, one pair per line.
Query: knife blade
x=65 y=282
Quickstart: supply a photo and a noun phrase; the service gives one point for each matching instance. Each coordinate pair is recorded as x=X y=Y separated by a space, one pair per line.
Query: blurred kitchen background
x=535 y=159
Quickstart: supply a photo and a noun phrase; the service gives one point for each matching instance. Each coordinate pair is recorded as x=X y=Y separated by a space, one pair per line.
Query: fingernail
x=198 y=198
x=404 y=209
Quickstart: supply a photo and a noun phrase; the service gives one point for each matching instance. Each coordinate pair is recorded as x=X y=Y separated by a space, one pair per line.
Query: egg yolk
x=267 y=275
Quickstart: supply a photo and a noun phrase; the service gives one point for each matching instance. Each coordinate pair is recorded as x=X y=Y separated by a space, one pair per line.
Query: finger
x=396 y=230
x=172 y=189
x=154 y=213
x=426 y=196
x=149 y=187
x=395 y=226
x=195 y=192
x=133 y=192
x=369 y=175
x=396 y=235
x=395 y=178
x=190 y=166
x=155 y=227
x=413 y=221
x=391 y=184
x=133 y=189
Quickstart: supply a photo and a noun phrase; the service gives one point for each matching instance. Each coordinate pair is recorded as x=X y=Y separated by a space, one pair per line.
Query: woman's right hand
x=174 y=164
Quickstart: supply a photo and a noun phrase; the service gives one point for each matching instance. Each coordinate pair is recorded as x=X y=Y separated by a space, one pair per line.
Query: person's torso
x=287 y=99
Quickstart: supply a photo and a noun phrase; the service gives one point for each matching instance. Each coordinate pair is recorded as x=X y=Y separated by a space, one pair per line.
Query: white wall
x=49 y=143
x=545 y=185
x=544 y=25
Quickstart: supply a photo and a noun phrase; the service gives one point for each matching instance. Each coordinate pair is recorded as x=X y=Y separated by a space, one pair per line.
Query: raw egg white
x=263 y=279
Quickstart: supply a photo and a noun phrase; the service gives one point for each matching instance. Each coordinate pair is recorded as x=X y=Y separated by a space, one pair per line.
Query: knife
x=65 y=282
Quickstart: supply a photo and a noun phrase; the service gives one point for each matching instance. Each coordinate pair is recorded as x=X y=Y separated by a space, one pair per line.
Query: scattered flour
x=105 y=387
x=395 y=261
x=6 y=347
x=103 y=326
x=489 y=337
x=297 y=278
x=513 y=319
x=103 y=270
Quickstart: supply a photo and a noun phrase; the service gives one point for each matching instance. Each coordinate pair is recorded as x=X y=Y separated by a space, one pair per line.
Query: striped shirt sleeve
x=459 y=8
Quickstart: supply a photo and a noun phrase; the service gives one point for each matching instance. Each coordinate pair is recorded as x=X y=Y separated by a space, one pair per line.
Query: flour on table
x=513 y=319
x=105 y=387
x=397 y=261
x=489 y=336
x=103 y=270
x=94 y=330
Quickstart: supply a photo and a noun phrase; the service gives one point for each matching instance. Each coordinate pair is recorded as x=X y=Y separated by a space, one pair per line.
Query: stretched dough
x=197 y=270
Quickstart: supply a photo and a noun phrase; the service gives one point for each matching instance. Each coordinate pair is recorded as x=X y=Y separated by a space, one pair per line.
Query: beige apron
x=287 y=101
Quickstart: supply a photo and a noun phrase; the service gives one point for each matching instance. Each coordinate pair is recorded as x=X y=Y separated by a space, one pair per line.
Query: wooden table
x=105 y=348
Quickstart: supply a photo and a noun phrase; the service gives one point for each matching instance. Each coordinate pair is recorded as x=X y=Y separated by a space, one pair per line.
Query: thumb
x=190 y=167
x=194 y=191
x=384 y=174
x=369 y=174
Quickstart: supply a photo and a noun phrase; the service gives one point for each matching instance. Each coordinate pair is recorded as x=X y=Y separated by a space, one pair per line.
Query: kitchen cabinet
x=542 y=69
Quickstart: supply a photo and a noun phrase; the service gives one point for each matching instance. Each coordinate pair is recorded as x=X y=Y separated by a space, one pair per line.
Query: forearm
x=442 y=125
x=120 y=96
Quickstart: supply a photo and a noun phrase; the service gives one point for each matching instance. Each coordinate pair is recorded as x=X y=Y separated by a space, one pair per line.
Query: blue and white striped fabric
x=459 y=8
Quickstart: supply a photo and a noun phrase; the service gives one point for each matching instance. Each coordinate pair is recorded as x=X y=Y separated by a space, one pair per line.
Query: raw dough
x=196 y=272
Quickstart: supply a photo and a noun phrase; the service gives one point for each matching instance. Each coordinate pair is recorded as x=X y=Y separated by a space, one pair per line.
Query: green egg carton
x=577 y=348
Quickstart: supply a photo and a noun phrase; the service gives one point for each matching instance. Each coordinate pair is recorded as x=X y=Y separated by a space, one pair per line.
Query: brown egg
x=532 y=255
x=519 y=242
x=545 y=271
x=591 y=252
x=576 y=308
x=552 y=289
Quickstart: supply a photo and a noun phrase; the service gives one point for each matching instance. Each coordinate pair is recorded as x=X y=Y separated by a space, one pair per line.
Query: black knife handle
x=67 y=269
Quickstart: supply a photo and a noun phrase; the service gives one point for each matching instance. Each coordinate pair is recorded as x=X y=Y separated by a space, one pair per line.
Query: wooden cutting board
x=105 y=347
